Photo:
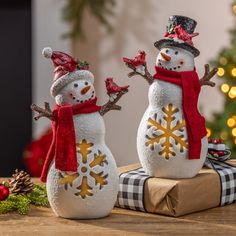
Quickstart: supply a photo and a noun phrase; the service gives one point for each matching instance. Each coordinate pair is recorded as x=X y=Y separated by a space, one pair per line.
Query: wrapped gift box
x=173 y=197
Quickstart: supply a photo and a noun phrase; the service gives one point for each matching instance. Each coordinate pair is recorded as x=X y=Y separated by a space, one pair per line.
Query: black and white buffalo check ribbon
x=131 y=183
x=131 y=190
x=227 y=174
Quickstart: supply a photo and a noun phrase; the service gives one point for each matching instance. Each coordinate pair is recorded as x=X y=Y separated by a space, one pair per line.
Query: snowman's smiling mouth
x=83 y=100
x=163 y=64
x=168 y=68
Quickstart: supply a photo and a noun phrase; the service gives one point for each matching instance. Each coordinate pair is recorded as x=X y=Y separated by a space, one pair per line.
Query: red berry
x=209 y=140
x=4 y=192
x=217 y=141
x=221 y=153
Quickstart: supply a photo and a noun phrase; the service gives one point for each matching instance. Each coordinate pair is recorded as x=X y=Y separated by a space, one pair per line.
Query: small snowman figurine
x=79 y=170
x=171 y=139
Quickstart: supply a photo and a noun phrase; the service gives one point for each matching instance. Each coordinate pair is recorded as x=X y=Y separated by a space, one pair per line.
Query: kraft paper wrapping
x=177 y=197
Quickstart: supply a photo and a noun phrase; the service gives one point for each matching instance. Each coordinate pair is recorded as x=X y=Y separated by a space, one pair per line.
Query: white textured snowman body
x=92 y=191
x=162 y=136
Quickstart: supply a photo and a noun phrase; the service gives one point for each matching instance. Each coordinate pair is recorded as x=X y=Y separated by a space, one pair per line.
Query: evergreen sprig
x=21 y=203
x=74 y=11
x=38 y=196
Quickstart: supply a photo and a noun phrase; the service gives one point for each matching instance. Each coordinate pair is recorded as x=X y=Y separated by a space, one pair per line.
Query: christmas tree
x=223 y=124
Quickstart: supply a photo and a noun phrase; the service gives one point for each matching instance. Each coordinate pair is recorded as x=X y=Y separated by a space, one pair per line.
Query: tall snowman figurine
x=171 y=139
x=80 y=171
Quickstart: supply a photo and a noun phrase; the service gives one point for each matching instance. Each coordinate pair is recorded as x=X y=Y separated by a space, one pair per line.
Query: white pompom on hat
x=47 y=52
x=67 y=69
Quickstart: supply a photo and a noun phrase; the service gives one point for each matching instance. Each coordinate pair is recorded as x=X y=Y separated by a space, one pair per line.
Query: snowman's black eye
x=86 y=83
x=167 y=50
x=75 y=85
x=176 y=52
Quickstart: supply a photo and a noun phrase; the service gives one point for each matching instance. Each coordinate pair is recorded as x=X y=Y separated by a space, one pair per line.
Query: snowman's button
x=84 y=169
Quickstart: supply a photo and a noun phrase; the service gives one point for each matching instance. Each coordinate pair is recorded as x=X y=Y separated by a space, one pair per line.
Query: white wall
x=137 y=25
x=47 y=29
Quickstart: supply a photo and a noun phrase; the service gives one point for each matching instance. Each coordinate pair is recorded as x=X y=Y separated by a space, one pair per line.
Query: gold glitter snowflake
x=167 y=132
x=87 y=171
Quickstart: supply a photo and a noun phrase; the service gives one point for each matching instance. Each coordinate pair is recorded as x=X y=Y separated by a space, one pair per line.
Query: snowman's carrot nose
x=85 y=90
x=165 y=56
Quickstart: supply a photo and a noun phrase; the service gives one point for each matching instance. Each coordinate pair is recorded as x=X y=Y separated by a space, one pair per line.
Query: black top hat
x=188 y=25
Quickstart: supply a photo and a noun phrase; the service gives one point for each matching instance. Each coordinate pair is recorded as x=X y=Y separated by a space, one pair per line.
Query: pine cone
x=20 y=183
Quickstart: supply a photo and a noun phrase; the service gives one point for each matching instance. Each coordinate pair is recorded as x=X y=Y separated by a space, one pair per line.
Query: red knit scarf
x=63 y=145
x=195 y=123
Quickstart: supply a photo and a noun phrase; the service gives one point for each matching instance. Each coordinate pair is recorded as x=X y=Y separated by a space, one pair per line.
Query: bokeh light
x=234 y=132
x=231 y=122
x=223 y=61
x=232 y=92
x=233 y=72
x=223 y=135
x=208 y=132
x=225 y=88
x=220 y=71
x=234 y=8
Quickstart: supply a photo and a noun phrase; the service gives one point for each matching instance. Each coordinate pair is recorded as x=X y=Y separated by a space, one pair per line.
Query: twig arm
x=208 y=75
x=111 y=105
x=147 y=75
x=42 y=112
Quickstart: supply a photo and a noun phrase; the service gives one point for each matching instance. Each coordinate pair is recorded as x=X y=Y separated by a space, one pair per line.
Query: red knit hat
x=67 y=69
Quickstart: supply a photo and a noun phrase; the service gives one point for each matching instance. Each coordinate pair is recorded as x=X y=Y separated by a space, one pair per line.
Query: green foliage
x=74 y=11
x=21 y=203
x=226 y=60
x=8 y=205
x=38 y=196
x=82 y=65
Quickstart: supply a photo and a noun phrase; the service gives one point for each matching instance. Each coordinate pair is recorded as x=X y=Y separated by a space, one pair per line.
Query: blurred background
x=102 y=32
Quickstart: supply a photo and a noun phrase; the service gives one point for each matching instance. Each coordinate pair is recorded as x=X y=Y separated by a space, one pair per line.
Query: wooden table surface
x=41 y=221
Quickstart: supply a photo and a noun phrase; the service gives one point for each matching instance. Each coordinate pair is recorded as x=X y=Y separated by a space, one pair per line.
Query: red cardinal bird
x=113 y=88
x=139 y=60
x=180 y=33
